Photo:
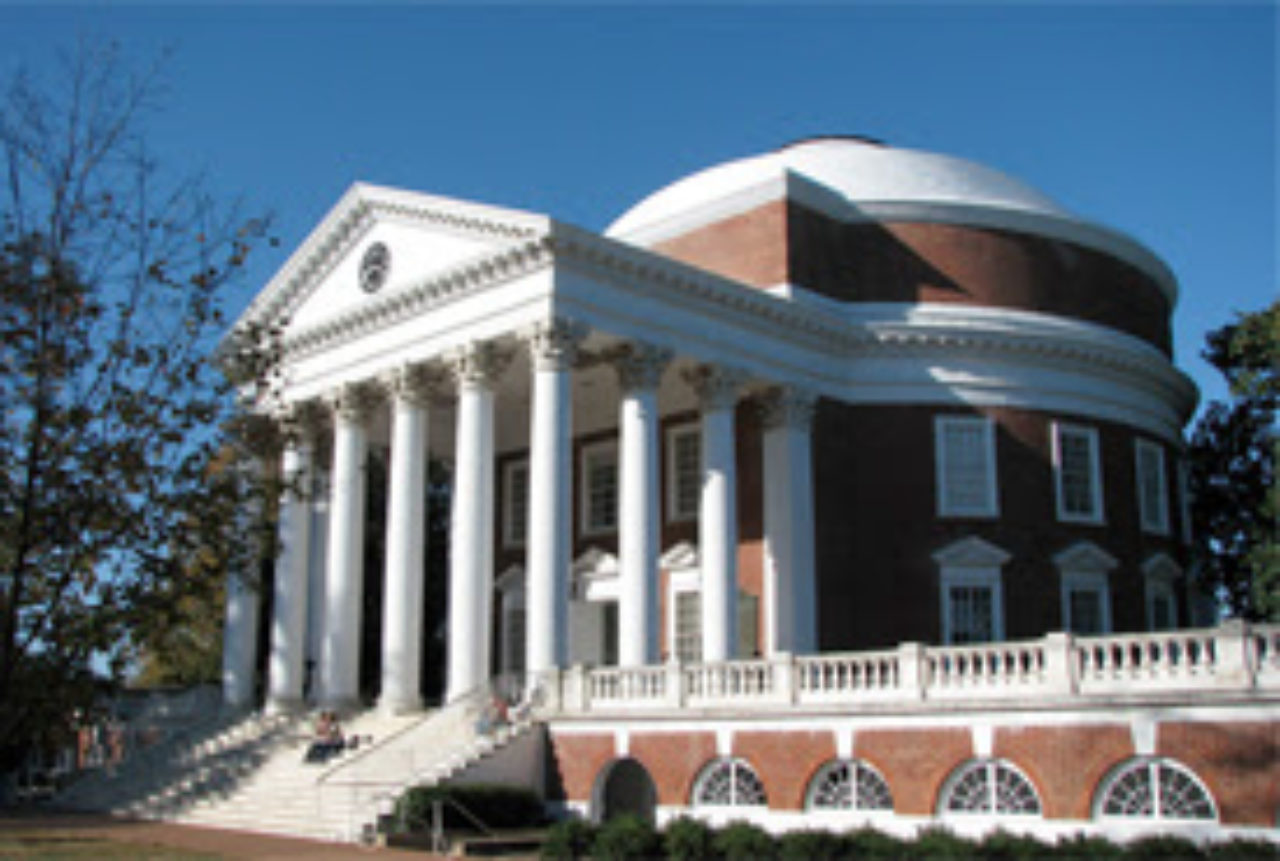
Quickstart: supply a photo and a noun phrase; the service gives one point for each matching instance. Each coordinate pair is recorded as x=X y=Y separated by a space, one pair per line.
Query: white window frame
x=584 y=486
x=1150 y=767
x=991 y=506
x=1086 y=567
x=1160 y=573
x=732 y=766
x=856 y=773
x=1097 y=513
x=1154 y=521
x=674 y=514
x=990 y=769
x=1184 y=500
x=683 y=576
x=971 y=562
x=511 y=535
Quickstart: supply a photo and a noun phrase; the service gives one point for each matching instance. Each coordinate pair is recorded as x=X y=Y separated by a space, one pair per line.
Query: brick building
x=839 y=472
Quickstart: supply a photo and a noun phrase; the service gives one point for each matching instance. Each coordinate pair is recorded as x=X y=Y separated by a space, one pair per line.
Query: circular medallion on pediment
x=375 y=266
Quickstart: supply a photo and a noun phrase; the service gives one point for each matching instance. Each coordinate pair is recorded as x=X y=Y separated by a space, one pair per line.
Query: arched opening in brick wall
x=1154 y=788
x=624 y=787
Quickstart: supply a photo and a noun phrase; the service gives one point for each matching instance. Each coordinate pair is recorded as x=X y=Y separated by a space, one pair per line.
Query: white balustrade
x=1143 y=660
x=834 y=677
x=1231 y=657
x=992 y=668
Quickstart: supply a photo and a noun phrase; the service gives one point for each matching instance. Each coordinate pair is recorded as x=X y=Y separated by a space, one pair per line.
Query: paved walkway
x=190 y=838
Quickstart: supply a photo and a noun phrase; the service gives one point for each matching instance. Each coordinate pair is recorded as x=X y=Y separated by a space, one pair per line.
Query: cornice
x=840 y=331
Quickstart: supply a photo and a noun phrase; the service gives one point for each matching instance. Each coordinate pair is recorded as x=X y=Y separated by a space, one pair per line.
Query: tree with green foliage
x=120 y=497
x=1232 y=453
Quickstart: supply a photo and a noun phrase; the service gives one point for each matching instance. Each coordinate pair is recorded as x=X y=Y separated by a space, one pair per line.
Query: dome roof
x=857 y=178
x=857 y=169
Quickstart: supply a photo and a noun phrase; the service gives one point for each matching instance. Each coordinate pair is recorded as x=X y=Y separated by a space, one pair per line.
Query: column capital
x=639 y=365
x=553 y=344
x=353 y=401
x=479 y=363
x=416 y=383
x=787 y=406
x=716 y=386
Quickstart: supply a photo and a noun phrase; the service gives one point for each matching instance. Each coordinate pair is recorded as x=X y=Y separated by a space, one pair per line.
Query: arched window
x=989 y=786
x=1154 y=788
x=728 y=783
x=848 y=784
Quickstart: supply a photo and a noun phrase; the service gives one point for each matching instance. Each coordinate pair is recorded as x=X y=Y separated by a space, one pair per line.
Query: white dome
x=860 y=171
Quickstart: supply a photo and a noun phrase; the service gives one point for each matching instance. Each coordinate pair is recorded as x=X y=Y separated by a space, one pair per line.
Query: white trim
x=1160 y=572
x=673 y=435
x=609 y=446
x=509 y=534
x=1152 y=764
x=1096 y=516
x=1153 y=521
x=990 y=506
x=988 y=764
x=971 y=562
x=1084 y=566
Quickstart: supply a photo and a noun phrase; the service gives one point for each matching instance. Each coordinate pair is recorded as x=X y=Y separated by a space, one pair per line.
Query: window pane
x=687 y=469
x=518 y=504
x=689 y=627
x=1086 y=611
x=972 y=614
x=966 y=472
x=1151 y=495
x=1076 y=473
x=602 y=491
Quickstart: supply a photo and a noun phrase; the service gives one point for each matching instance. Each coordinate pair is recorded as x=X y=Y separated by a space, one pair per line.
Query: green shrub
x=867 y=842
x=1166 y=847
x=494 y=805
x=941 y=843
x=1083 y=846
x=810 y=846
x=742 y=841
x=567 y=840
x=626 y=838
x=1241 y=849
x=687 y=839
x=1002 y=846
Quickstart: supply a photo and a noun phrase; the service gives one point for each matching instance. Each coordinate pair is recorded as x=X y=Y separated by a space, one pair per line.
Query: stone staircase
x=249 y=774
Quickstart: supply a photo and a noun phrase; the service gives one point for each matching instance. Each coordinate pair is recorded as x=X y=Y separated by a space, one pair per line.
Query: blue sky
x=1158 y=119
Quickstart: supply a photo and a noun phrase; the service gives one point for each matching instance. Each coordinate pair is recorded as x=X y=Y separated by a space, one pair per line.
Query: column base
x=400 y=707
x=285 y=706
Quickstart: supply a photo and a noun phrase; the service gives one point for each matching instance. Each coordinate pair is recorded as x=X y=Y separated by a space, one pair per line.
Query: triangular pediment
x=1085 y=556
x=378 y=242
x=971 y=552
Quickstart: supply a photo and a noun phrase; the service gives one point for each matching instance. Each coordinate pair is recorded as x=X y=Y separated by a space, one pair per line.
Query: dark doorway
x=628 y=789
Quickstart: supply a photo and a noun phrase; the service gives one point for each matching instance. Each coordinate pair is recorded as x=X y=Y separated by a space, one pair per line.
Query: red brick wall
x=877 y=527
x=926 y=262
x=578 y=759
x=789 y=758
x=1238 y=762
x=914 y=762
x=1065 y=763
x=673 y=761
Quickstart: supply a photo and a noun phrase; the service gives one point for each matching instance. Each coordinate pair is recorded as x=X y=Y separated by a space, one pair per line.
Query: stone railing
x=1233 y=657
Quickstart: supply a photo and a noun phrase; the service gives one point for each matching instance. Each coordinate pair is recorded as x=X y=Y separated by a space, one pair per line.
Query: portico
x=531 y=372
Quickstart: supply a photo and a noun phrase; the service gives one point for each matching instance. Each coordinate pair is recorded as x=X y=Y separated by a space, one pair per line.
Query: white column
x=319 y=567
x=639 y=372
x=405 y=547
x=553 y=350
x=717 y=390
x=471 y=529
x=239 y=642
x=789 y=574
x=344 y=580
x=286 y=669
